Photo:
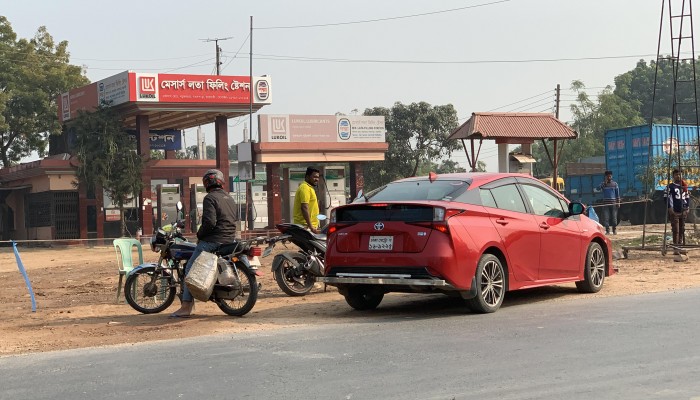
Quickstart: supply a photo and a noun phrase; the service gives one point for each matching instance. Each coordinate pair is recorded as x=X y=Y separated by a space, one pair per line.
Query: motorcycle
x=152 y=287
x=296 y=271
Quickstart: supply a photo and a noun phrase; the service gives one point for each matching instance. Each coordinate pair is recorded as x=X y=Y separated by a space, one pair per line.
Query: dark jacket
x=218 y=218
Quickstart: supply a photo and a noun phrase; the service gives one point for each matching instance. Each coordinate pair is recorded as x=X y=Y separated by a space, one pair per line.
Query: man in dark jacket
x=218 y=226
x=611 y=203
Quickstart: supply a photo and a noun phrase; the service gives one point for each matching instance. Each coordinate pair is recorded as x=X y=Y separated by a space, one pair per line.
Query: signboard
x=185 y=88
x=112 y=215
x=321 y=128
x=113 y=90
x=166 y=139
x=164 y=88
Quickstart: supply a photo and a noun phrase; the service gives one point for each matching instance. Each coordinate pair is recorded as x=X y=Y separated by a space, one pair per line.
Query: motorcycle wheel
x=148 y=295
x=292 y=284
x=245 y=300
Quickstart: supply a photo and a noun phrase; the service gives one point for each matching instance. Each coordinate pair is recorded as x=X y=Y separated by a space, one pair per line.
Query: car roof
x=476 y=178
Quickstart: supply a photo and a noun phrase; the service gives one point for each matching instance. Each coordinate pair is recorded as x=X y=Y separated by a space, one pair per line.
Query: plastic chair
x=124 y=249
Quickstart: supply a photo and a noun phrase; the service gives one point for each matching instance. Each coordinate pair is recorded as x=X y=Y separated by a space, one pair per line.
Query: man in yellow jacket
x=306 y=202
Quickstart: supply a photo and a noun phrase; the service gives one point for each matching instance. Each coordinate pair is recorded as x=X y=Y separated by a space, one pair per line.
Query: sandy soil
x=75 y=290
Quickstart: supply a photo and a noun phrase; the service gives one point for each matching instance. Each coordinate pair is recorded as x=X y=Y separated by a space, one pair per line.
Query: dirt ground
x=75 y=290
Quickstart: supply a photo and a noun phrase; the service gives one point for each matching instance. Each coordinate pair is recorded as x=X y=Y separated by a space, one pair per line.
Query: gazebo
x=512 y=128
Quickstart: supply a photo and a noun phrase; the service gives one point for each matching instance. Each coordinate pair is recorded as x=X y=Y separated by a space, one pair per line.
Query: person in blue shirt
x=677 y=195
x=611 y=203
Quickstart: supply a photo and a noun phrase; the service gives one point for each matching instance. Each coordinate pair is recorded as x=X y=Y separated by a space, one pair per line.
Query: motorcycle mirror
x=179 y=206
x=321 y=217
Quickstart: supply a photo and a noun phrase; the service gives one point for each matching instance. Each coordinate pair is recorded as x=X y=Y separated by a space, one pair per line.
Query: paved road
x=635 y=347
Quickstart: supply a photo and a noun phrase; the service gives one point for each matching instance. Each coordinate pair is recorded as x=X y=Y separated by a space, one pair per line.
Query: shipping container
x=628 y=153
x=585 y=168
x=584 y=188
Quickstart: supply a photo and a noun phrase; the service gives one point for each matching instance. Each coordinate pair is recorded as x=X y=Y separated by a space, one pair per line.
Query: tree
x=33 y=73
x=417 y=134
x=445 y=167
x=592 y=118
x=108 y=157
x=191 y=153
x=636 y=87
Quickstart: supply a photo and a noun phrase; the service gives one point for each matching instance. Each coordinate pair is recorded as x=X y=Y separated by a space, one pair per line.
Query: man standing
x=218 y=226
x=677 y=194
x=306 y=202
x=611 y=203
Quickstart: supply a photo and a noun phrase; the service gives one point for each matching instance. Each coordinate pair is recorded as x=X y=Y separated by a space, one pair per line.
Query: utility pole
x=556 y=113
x=218 y=51
x=555 y=160
x=249 y=185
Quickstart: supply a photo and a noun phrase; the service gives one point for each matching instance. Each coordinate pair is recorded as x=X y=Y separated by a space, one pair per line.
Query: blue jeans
x=201 y=246
x=609 y=217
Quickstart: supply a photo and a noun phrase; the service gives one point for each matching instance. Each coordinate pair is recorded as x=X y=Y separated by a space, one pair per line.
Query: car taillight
x=255 y=251
x=440 y=217
x=334 y=227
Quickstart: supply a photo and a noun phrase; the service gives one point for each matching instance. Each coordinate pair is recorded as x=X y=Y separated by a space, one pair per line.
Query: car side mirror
x=576 y=208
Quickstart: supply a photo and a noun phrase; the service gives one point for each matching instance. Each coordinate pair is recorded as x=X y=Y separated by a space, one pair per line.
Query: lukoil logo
x=147 y=86
x=279 y=125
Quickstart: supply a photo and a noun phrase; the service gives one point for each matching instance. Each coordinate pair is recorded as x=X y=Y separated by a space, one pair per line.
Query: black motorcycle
x=152 y=287
x=296 y=271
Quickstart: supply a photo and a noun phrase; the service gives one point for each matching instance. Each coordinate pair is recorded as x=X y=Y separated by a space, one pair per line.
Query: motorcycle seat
x=226 y=249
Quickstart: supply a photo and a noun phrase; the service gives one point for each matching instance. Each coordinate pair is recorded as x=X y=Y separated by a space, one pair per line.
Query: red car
x=474 y=235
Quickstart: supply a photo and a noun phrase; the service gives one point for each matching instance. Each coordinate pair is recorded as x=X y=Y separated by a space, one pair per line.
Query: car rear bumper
x=383 y=279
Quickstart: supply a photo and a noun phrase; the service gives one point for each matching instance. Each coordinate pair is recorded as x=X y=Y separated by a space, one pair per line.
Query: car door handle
x=502 y=221
x=544 y=225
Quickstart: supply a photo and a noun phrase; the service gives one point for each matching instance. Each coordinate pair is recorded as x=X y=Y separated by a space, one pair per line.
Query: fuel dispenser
x=334 y=185
x=168 y=196
x=197 y=194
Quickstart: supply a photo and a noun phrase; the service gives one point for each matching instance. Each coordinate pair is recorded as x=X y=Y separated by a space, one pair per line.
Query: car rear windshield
x=445 y=190
x=387 y=212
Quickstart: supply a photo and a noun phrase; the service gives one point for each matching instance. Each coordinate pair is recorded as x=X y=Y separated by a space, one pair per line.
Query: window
x=417 y=190
x=487 y=198
x=543 y=202
x=508 y=198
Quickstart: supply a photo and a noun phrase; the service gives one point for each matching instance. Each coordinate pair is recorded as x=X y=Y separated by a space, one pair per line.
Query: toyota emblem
x=378 y=226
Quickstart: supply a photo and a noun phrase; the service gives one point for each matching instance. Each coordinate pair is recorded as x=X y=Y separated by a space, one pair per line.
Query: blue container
x=584 y=188
x=627 y=153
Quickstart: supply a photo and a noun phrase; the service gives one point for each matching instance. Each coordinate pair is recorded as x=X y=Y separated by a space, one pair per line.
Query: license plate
x=381 y=242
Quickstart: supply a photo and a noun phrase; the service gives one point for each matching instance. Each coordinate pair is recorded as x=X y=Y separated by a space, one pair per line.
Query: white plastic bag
x=202 y=276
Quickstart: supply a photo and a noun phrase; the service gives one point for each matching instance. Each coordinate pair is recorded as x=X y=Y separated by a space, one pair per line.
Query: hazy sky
x=323 y=57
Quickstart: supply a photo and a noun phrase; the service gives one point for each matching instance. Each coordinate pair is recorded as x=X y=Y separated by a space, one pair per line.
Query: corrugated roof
x=523 y=158
x=487 y=125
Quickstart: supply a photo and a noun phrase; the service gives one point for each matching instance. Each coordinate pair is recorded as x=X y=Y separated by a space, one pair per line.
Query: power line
x=534 y=104
x=520 y=101
x=238 y=51
x=513 y=103
x=275 y=57
x=383 y=19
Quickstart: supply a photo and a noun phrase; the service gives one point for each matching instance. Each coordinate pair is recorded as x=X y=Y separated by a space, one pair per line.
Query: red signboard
x=182 y=88
x=165 y=88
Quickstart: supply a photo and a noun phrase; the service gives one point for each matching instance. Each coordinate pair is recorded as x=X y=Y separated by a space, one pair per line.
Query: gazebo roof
x=504 y=127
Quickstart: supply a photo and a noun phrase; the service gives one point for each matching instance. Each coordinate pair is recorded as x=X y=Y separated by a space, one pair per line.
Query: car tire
x=594 y=270
x=490 y=281
x=363 y=297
